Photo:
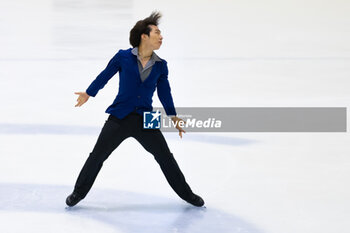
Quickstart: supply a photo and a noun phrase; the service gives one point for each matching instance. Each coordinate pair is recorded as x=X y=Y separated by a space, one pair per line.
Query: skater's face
x=154 y=40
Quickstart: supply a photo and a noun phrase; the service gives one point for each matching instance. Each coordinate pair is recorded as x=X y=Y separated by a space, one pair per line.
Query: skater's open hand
x=176 y=120
x=83 y=97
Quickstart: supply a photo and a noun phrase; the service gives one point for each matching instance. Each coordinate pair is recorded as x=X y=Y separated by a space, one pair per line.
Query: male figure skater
x=141 y=71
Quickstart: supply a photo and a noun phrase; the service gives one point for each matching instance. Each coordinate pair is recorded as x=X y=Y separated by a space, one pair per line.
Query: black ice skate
x=196 y=200
x=73 y=199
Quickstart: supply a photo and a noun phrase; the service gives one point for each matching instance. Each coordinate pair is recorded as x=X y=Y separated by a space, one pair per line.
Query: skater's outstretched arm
x=102 y=79
x=83 y=97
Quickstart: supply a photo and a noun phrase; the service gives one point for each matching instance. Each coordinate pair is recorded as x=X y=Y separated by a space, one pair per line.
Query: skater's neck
x=145 y=52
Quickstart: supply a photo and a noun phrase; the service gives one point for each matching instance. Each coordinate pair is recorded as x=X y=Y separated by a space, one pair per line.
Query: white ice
x=220 y=53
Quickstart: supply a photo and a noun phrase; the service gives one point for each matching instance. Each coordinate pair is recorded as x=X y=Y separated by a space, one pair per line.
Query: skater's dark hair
x=142 y=27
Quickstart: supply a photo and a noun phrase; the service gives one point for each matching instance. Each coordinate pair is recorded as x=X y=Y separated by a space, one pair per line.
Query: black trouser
x=112 y=134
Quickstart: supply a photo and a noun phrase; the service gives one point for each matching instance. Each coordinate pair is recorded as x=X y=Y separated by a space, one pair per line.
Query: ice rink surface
x=219 y=53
